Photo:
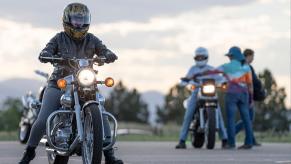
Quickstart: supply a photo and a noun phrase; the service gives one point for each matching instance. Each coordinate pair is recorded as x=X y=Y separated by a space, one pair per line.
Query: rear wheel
x=210 y=128
x=93 y=135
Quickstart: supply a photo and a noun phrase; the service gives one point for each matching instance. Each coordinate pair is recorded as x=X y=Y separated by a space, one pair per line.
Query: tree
x=271 y=113
x=173 y=110
x=127 y=105
x=10 y=114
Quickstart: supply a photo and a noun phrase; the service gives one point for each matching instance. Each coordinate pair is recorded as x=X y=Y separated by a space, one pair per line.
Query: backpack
x=259 y=91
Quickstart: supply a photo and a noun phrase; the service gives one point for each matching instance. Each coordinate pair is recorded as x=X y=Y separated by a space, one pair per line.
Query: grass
x=8 y=136
x=169 y=132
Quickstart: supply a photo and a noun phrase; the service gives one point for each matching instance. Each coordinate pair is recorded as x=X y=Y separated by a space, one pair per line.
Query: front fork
x=202 y=118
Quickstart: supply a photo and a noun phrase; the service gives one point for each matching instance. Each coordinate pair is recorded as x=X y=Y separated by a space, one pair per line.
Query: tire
x=197 y=138
x=23 y=133
x=211 y=128
x=57 y=159
x=92 y=154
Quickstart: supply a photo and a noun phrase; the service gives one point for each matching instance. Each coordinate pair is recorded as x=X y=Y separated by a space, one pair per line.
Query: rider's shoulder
x=92 y=36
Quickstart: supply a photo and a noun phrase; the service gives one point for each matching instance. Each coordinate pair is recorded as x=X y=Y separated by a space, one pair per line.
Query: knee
x=40 y=124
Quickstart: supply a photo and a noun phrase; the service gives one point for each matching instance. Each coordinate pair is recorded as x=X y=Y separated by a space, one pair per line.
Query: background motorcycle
x=31 y=106
x=77 y=126
x=205 y=120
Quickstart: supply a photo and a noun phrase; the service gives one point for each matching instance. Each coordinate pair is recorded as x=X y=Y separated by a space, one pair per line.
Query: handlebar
x=43 y=74
x=100 y=60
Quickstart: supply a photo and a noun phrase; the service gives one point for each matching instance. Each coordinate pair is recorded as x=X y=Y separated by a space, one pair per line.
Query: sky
x=155 y=40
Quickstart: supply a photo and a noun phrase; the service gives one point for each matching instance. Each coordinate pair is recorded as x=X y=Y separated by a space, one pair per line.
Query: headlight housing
x=208 y=89
x=86 y=77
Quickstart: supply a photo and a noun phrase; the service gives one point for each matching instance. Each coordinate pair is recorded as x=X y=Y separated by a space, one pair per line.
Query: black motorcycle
x=204 y=125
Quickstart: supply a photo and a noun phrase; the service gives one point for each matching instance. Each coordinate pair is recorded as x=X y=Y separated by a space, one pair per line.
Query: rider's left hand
x=110 y=57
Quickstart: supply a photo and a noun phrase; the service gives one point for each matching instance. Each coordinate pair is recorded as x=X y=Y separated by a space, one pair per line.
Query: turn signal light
x=62 y=83
x=193 y=87
x=224 y=86
x=109 y=82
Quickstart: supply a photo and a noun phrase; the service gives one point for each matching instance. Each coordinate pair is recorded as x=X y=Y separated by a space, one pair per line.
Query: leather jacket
x=61 y=45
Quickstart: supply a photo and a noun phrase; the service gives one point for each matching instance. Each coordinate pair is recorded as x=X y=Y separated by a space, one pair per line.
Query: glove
x=44 y=54
x=110 y=57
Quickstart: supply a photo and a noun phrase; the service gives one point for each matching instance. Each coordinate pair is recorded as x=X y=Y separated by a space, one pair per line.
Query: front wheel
x=24 y=132
x=197 y=137
x=56 y=159
x=210 y=128
x=93 y=135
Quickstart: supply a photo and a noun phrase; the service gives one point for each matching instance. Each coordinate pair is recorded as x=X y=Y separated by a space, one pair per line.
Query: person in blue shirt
x=238 y=96
x=201 y=59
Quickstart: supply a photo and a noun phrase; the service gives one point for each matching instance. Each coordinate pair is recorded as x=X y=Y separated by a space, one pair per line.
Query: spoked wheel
x=210 y=128
x=56 y=159
x=23 y=133
x=93 y=135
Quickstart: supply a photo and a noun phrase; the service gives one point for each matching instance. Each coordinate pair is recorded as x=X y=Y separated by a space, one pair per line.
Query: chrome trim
x=48 y=131
x=78 y=115
x=95 y=102
x=202 y=121
x=113 y=138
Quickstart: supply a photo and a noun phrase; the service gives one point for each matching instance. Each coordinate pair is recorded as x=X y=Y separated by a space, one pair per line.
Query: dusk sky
x=154 y=39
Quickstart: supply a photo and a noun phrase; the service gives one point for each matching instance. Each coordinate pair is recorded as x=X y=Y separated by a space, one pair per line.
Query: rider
x=76 y=42
x=201 y=59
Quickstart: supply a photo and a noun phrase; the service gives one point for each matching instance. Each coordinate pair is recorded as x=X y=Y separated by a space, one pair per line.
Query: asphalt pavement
x=164 y=153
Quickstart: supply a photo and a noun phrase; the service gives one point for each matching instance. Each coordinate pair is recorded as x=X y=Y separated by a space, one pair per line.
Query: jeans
x=239 y=125
x=240 y=101
x=191 y=106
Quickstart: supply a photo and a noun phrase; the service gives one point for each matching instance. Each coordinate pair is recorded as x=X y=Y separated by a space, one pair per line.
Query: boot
x=110 y=158
x=28 y=155
x=181 y=145
x=223 y=143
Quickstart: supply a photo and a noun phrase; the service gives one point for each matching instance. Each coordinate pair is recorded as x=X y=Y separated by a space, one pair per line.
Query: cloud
x=48 y=13
x=155 y=53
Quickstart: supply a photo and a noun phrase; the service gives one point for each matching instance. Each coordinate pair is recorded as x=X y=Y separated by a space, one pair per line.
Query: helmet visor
x=80 y=21
x=200 y=57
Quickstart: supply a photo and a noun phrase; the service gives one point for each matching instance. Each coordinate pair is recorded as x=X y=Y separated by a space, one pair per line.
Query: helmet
x=201 y=56
x=76 y=20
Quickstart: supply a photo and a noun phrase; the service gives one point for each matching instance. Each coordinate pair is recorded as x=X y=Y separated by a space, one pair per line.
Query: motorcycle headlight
x=208 y=89
x=86 y=77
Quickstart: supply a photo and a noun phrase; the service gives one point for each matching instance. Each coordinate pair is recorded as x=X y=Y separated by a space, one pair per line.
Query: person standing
x=249 y=57
x=237 y=96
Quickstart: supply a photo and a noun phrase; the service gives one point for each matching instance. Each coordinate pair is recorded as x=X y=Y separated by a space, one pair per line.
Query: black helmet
x=76 y=20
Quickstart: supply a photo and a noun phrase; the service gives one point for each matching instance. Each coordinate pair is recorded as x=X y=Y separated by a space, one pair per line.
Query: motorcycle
x=77 y=126
x=205 y=123
x=31 y=107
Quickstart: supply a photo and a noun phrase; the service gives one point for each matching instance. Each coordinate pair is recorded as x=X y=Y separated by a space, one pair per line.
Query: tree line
x=127 y=106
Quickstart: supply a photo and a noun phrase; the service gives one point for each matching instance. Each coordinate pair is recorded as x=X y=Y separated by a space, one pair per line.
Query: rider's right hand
x=43 y=55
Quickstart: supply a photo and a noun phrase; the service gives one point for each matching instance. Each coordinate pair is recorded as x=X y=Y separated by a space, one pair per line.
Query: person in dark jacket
x=74 y=42
x=249 y=57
